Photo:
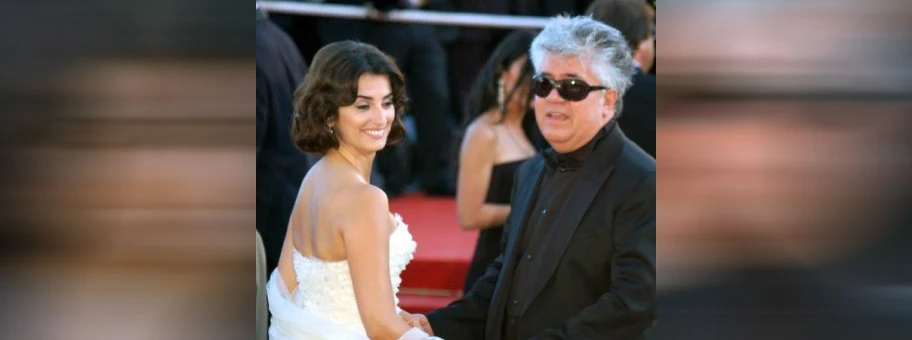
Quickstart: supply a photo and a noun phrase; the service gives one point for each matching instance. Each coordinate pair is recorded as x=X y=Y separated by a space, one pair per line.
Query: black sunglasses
x=573 y=90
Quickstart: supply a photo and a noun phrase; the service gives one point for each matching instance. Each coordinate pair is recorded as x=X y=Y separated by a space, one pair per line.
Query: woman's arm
x=366 y=233
x=476 y=159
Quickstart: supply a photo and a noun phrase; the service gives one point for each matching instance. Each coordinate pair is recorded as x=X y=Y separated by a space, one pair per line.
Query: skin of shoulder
x=476 y=158
x=359 y=202
x=481 y=130
x=346 y=200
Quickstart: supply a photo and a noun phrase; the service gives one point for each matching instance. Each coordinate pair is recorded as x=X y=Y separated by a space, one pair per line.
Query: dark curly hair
x=333 y=83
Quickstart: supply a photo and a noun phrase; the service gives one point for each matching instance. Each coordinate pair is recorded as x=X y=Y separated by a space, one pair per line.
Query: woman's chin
x=375 y=147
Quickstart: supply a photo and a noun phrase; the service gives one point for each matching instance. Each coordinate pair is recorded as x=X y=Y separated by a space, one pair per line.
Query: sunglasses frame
x=561 y=90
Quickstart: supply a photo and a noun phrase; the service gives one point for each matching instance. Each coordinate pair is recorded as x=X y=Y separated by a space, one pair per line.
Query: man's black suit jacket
x=597 y=278
x=280 y=166
x=638 y=116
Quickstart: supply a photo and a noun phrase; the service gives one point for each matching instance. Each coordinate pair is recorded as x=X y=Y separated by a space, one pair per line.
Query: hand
x=417 y=320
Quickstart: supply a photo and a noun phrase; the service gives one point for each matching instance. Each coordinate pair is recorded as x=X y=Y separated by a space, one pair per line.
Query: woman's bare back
x=313 y=228
x=342 y=260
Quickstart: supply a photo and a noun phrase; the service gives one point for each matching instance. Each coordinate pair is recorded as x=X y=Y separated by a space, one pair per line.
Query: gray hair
x=599 y=46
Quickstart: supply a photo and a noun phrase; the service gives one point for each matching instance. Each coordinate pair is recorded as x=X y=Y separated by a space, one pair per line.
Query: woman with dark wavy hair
x=339 y=270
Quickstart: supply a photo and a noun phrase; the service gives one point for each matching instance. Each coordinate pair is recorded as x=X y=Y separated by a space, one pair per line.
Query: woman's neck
x=510 y=117
x=360 y=163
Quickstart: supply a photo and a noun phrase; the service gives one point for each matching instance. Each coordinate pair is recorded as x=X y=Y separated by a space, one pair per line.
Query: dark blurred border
x=127 y=178
x=783 y=129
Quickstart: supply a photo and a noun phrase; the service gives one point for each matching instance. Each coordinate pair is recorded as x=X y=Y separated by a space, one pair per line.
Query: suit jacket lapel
x=593 y=175
x=523 y=200
x=527 y=188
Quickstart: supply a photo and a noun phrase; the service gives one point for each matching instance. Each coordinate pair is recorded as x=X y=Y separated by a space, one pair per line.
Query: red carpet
x=436 y=275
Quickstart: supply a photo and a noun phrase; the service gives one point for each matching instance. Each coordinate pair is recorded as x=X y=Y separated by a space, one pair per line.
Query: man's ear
x=611 y=97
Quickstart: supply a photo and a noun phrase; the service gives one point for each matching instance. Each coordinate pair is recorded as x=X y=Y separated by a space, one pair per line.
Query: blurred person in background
x=637 y=116
x=302 y=30
x=339 y=271
x=651 y=12
x=494 y=146
x=279 y=165
x=578 y=259
x=468 y=48
x=420 y=54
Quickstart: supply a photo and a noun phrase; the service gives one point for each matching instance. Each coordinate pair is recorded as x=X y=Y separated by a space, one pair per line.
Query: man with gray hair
x=578 y=251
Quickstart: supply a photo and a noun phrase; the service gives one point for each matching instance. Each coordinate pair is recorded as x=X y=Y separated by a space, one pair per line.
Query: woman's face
x=365 y=124
x=509 y=77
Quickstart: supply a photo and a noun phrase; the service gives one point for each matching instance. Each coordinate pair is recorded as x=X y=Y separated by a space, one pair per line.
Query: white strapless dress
x=323 y=305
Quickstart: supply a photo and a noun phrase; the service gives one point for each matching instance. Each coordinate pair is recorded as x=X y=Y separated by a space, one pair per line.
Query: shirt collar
x=574 y=160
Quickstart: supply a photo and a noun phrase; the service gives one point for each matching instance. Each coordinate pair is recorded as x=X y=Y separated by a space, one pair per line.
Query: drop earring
x=500 y=95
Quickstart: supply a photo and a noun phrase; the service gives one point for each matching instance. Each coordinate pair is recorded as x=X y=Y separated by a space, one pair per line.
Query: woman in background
x=494 y=146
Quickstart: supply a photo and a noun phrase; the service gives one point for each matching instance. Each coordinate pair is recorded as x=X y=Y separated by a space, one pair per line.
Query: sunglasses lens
x=573 y=90
x=541 y=86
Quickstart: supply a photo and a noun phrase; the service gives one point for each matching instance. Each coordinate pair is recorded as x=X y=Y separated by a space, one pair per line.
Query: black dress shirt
x=561 y=173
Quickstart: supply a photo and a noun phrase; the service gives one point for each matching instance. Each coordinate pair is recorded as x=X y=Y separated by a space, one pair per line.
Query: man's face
x=568 y=125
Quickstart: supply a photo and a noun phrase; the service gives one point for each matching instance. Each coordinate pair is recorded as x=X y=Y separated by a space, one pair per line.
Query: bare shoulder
x=361 y=205
x=481 y=130
x=365 y=195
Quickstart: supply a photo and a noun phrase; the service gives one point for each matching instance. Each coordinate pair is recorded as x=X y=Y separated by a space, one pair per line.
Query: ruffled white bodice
x=325 y=289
